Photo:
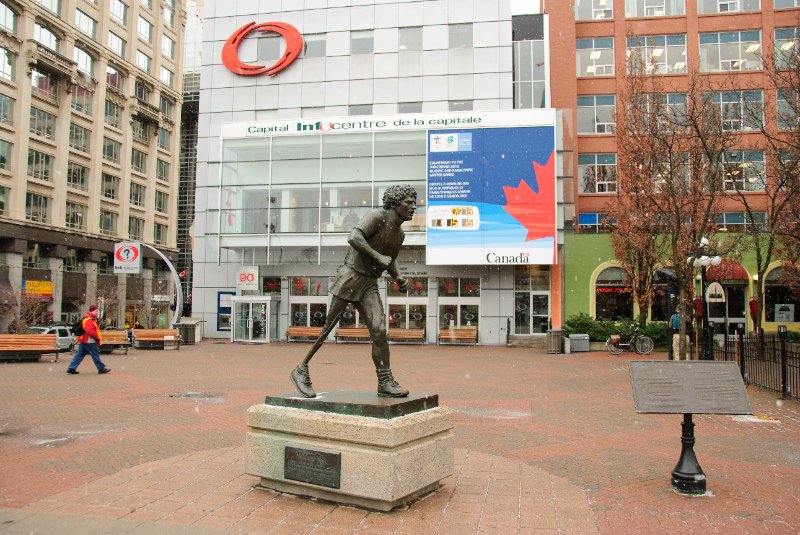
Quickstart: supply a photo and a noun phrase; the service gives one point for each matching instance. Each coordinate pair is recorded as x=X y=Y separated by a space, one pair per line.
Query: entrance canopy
x=728 y=271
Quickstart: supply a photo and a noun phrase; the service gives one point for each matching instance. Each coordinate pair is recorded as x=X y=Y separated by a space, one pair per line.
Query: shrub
x=600 y=330
x=658 y=331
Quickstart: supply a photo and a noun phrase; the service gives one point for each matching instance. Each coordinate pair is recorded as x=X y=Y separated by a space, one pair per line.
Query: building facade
x=90 y=106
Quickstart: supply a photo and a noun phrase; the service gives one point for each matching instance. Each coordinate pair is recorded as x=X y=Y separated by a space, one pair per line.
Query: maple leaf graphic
x=534 y=208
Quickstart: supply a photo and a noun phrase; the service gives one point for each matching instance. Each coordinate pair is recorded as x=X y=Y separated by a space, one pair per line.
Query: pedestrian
x=89 y=342
x=675 y=325
x=375 y=242
x=137 y=325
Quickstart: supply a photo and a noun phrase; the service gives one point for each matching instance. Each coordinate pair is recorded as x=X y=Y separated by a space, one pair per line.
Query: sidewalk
x=545 y=444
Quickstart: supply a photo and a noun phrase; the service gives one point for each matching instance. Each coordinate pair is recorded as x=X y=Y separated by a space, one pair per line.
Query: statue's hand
x=384 y=260
x=402 y=282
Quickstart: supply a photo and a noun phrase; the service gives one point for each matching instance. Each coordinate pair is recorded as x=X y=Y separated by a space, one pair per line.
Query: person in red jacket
x=89 y=342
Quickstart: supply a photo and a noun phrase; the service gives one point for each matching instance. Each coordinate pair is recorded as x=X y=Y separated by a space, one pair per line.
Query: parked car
x=64 y=337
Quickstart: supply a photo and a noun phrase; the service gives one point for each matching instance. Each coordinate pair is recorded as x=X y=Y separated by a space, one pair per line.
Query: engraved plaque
x=694 y=387
x=317 y=467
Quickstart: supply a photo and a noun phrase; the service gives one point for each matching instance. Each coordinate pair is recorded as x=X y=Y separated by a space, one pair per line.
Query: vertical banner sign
x=127 y=257
x=491 y=196
x=247 y=279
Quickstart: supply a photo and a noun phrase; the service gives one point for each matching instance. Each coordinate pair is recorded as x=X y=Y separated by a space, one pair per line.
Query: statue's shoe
x=302 y=381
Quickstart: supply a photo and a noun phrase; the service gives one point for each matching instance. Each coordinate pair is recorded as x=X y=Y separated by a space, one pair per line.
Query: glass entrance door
x=731 y=312
x=531 y=312
x=251 y=321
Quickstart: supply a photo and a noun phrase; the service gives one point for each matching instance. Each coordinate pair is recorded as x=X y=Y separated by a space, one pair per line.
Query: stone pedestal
x=351 y=447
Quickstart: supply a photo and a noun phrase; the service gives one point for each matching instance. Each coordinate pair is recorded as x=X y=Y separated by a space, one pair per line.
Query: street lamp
x=702 y=259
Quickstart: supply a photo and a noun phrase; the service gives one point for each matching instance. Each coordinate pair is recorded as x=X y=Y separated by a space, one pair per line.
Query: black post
x=687 y=476
x=741 y=351
x=705 y=351
x=784 y=371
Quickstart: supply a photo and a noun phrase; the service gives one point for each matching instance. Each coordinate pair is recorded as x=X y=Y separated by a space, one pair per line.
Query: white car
x=64 y=337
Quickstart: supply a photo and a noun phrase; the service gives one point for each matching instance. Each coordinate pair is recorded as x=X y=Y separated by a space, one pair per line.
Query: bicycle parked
x=636 y=341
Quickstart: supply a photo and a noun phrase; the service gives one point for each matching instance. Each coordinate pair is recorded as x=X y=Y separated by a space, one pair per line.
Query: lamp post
x=702 y=259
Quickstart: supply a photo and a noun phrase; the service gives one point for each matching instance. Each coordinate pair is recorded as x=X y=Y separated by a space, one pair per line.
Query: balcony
x=144 y=111
x=51 y=61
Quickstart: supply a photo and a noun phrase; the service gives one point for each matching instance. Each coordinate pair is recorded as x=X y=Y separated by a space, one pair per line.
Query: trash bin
x=578 y=342
x=554 y=339
x=186 y=330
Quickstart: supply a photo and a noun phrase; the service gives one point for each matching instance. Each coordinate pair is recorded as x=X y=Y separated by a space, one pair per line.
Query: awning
x=728 y=271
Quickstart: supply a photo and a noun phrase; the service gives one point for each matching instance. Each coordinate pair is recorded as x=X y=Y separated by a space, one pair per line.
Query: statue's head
x=394 y=195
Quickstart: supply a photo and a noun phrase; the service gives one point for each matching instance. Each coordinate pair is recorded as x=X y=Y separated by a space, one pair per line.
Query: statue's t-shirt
x=381 y=236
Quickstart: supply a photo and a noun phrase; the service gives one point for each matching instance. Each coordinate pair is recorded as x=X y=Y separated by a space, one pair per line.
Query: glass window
x=113 y=78
x=110 y=186
x=135 y=228
x=166 y=106
x=168 y=13
x=730 y=51
x=460 y=36
x=739 y=221
x=459 y=105
x=76 y=215
x=727 y=6
x=137 y=194
x=530 y=71
x=785 y=47
x=596 y=114
x=595 y=56
x=51 y=5
x=40 y=165
x=8 y=18
x=166 y=76
x=739 y=110
x=116 y=44
x=160 y=233
x=783 y=4
x=111 y=150
x=168 y=46
x=119 y=11
x=657 y=54
x=77 y=176
x=787 y=109
x=164 y=138
x=141 y=90
x=314 y=45
x=654 y=8
x=6 y=109
x=594 y=9
x=84 y=60
x=8 y=62
x=140 y=130
x=78 y=137
x=162 y=170
x=143 y=61
x=362 y=42
x=144 y=28
x=162 y=202
x=359 y=109
x=597 y=173
x=613 y=295
x=108 y=223
x=410 y=38
x=37 y=208
x=44 y=85
x=417 y=287
x=138 y=161
x=781 y=305
x=85 y=23
x=45 y=37
x=744 y=170
x=80 y=99
x=113 y=114
x=42 y=123
x=409 y=107
x=5 y=154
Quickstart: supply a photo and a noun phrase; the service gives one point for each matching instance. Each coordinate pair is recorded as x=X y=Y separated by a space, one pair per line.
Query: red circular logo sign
x=127 y=254
x=230 y=51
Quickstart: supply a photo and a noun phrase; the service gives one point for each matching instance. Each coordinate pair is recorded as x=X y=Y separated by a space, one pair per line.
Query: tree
x=23 y=309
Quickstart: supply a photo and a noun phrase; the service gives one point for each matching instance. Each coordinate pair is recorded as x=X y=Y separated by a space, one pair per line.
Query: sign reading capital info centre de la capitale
x=491 y=185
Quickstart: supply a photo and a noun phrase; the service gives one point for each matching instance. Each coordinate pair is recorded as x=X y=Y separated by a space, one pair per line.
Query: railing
x=767 y=361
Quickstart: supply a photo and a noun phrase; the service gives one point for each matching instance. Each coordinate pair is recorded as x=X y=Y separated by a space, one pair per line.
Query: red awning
x=727 y=271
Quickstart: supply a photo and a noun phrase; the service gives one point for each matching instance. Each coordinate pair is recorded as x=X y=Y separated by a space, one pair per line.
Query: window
x=460 y=36
x=135 y=228
x=8 y=19
x=142 y=91
x=76 y=216
x=739 y=221
x=730 y=51
x=595 y=56
x=78 y=137
x=113 y=78
x=409 y=107
x=85 y=24
x=362 y=42
x=137 y=194
x=50 y=5
x=42 y=123
x=596 y=114
x=459 y=302
x=162 y=170
x=166 y=106
x=40 y=165
x=143 y=61
x=613 y=295
x=739 y=110
x=783 y=4
x=144 y=28
x=593 y=222
x=8 y=62
x=80 y=99
x=168 y=46
x=169 y=13
x=597 y=173
x=72 y=263
x=106 y=264
x=531 y=299
x=314 y=46
x=164 y=138
x=787 y=108
x=111 y=150
x=45 y=37
x=37 y=208
x=44 y=85
x=785 y=47
x=780 y=304
x=113 y=114
x=160 y=233
x=147 y=3
x=459 y=105
x=3 y=199
x=410 y=38
x=705 y=7
x=744 y=170
x=359 y=109
x=110 y=186
x=166 y=76
x=116 y=44
x=119 y=11
x=108 y=223
x=5 y=154
x=140 y=130
x=162 y=202
x=594 y=9
x=654 y=8
x=662 y=54
x=669 y=107
x=83 y=59
x=6 y=109
x=77 y=176
x=138 y=161
x=530 y=62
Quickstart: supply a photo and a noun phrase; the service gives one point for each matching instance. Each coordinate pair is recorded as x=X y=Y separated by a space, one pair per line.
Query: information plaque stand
x=675 y=387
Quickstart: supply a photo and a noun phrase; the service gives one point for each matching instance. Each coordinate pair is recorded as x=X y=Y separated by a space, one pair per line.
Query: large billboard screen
x=491 y=196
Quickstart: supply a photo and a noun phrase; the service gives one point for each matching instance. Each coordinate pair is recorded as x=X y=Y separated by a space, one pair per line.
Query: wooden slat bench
x=27 y=346
x=113 y=340
x=460 y=335
x=352 y=334
x=156 y=338
x=407 y=336
x=294 y=333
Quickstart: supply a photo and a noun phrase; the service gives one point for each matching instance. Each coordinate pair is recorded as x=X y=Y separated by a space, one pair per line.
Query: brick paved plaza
x=544 y=444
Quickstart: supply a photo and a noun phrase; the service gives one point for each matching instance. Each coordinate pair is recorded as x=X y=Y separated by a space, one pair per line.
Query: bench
x=407 y=336
x=113 y=340
x=352 y=334
x=156 y=338
x=27 y=346
x=302 y=333
x=460 y=335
